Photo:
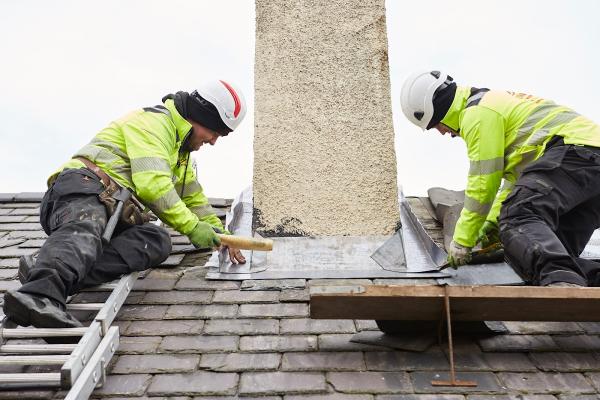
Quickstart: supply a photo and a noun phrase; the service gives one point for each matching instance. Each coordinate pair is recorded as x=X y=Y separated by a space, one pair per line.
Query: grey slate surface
x=187 y=338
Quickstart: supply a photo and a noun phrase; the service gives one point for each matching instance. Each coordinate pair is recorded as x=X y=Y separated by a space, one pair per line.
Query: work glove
x=203 y=236
x=458 y=255
x=489 y=234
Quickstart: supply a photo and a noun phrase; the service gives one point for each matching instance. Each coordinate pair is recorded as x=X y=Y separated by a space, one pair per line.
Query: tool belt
x=133 y=210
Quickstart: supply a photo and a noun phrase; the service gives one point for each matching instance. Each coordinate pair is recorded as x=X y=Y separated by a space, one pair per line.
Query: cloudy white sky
x=69 y=67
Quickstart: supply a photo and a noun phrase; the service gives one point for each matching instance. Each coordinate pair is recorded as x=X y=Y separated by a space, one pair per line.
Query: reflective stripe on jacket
x=504 y=132
x=141 y=152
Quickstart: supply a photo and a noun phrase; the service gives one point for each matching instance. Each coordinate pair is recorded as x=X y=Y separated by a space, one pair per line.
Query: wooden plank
x=468 y=303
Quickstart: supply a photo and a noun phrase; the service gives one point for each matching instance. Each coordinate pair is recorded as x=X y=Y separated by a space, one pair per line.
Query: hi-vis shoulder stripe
x=203 y=210
x=158 y=109
x=166 y=201
x=485 y=167
x=150 y=164
x=477 y=207
x=524 y=134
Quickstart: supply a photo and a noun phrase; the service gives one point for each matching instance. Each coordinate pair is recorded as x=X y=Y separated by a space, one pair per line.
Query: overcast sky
x=70 y=67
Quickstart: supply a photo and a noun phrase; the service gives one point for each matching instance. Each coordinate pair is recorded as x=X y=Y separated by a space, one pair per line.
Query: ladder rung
x=34 y=360
x=41 y=332
x=37 y=379
x=37 y=348
x=84 y=306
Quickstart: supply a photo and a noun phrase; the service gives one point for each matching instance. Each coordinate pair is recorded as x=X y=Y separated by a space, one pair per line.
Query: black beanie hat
x=442 y=99
x=196 y=108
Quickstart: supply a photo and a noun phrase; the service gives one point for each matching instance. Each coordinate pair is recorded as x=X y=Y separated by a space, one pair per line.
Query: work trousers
x=550 y=215
x=73 y=256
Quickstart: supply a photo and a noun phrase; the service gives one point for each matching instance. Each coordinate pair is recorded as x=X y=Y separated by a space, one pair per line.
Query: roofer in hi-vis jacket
x=145 y=154
x=547 y=158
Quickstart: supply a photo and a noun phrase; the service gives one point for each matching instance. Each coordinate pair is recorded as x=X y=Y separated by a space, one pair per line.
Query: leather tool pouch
x=132 y=214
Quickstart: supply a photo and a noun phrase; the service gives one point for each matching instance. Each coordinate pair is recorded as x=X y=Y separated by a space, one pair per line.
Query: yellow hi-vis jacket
x=504 y=132
x=141 y=151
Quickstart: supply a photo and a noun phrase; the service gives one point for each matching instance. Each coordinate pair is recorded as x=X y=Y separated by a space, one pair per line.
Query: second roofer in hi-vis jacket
x=533 y=181
x=146 y=152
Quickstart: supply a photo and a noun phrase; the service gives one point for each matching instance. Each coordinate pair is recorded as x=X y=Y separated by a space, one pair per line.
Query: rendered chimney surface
x=324 y=160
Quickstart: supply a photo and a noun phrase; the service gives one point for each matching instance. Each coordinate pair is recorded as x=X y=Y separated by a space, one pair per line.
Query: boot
x=26 y=263
x=27 y=309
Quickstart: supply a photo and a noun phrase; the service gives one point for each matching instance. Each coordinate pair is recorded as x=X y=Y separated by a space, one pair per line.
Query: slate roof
x=183 y=337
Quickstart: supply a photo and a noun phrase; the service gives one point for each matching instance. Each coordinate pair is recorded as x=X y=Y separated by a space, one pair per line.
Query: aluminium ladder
x=82 y=366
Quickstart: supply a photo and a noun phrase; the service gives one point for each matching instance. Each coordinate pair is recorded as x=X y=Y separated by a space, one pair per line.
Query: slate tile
x=242 y=297
x=327 y=361
x=282 y=310
x=124 y=385
x=406 y=361
x=238 y=362
x=25 y=211
x=197 y=383
x=518 y=343
x=177 y=297
x=576 y=397
x=591 y=328
x=15 y=252
x=9 y=285
x=278 y=343
x=193 y=283
x=8 y=242
x=32 y=243
x=9 y=262
x=594 y=377
x=201 y=311
x=8 y=273
x=294 y=296
x=412 y=342
x=578 y=343
x=23 y=226
x=545 y=382
x=173 y=260
x=316 y=326
x=365 y=325
x=28 y=234
x=269 y=383
x=513 y=362
x=155 y=364
x=149 y=284
x=21 y=204
x=199 y=344
x=141 y=313
x=542 y=328
x=330 y=396
x=486 y=382
x=273 y=284
x=28 y=394
x=421 y=397
x=29 y=199
x=512 y=397
x=566 y=362
x=7 y=219
x=370 y=382
x=138 y=345
x=164 y=328
x=241 y=327
x=341 y=342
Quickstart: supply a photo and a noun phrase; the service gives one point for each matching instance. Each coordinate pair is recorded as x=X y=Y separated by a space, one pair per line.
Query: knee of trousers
x=143 y=246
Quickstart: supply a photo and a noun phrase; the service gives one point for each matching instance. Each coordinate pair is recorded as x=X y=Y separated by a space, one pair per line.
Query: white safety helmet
x=227 y=99
x=417 y=95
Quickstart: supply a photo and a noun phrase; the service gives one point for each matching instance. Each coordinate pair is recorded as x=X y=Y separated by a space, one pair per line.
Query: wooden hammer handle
x=246 y=243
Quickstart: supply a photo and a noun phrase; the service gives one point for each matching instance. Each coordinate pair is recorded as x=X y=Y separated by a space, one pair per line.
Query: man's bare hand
x=235 y=255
